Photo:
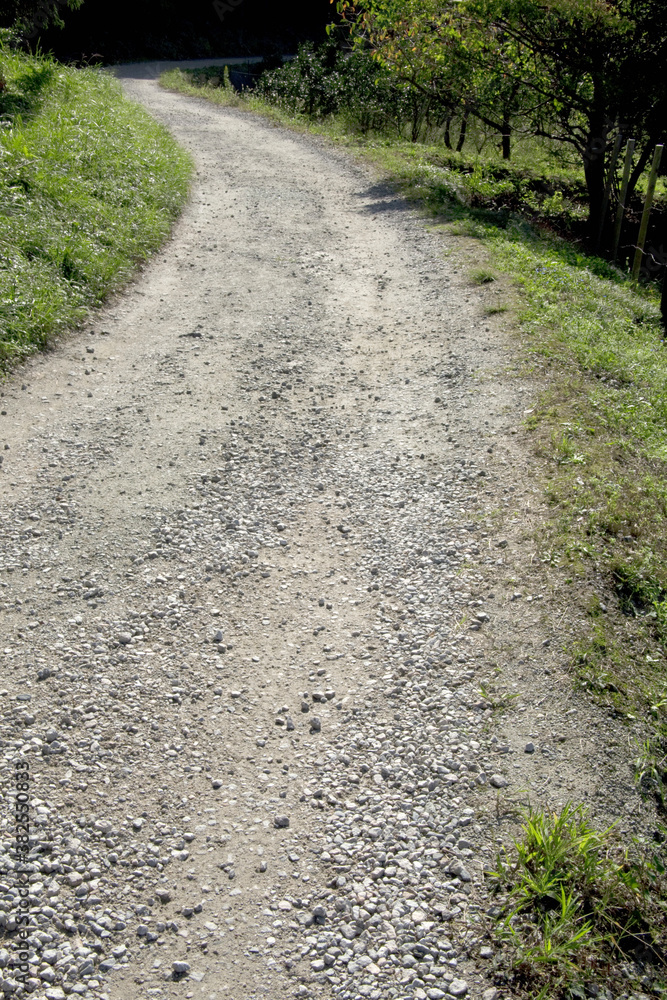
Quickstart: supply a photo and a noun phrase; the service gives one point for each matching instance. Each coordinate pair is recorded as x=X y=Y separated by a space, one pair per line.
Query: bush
x=326 y=81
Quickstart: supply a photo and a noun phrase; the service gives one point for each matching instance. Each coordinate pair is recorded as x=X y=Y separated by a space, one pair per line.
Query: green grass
x=89 y=187
x=482 y=276
x=575 y=906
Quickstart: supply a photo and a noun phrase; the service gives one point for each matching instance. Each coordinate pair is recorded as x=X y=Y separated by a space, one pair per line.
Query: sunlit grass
x=210 y=83
x=89 y=186
x=575 y=905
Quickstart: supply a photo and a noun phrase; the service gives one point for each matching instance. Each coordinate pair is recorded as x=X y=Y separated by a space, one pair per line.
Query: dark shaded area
x=163 y=29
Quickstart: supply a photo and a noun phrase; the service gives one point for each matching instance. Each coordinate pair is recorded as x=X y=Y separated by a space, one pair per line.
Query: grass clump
x=89 y=187
x=577 y=912
x=482 y=277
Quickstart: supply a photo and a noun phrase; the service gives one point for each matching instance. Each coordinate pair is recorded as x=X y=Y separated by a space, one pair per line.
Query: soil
x=275 y=630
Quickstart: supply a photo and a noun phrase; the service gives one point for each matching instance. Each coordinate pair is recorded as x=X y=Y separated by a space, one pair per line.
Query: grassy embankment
x=575 y=905
x=89 y=186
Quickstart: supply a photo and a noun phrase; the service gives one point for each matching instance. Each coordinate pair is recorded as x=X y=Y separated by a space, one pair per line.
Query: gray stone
x=457 y=868
x=458 y=987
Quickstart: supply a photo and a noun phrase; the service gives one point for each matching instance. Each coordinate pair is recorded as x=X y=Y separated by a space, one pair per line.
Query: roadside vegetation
x=89 y=187
x=577 y=910
x=579 y=914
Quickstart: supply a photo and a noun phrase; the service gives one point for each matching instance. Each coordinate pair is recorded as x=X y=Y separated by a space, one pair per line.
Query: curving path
x=253 y=571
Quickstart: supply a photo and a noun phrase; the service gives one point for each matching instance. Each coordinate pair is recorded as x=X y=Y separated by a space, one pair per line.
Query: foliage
x=575 y=905
x=327 y=81
x=27 y=17
x=89 y=186
x=651 y=764
x=576 y=71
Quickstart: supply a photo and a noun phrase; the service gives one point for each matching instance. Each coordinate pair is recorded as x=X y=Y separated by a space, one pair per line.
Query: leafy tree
x=575 y=71
x=596 y=67
x=437 y=48
x=27 y=18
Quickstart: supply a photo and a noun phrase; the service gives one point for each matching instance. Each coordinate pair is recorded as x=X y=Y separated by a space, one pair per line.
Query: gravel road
x=257 y=529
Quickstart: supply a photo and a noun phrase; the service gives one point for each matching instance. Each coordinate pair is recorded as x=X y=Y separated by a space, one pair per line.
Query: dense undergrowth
x=89 y=186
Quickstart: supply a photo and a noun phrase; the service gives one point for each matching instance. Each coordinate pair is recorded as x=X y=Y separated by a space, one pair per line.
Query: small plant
x=494 y=310
x=575 y=906
x=482 y=277
x=651 y=768
x=553 y=205
x=565 y=450
x=498 y=700
x=642 y=595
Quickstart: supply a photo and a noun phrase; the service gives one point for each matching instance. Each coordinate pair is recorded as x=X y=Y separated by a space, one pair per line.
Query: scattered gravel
x=254 y=598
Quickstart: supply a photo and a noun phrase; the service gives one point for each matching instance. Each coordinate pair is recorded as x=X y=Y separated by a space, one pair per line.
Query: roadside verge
x=90 y=185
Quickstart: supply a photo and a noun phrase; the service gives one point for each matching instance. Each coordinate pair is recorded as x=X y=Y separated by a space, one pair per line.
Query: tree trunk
x=644 y=157
x=507 y=136
x=448 y=140
x=506 y=133
x=462 y=133
x=594 y=172
x=418 y=112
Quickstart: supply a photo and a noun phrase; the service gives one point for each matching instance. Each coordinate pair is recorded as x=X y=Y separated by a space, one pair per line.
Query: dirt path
x=254 y=564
